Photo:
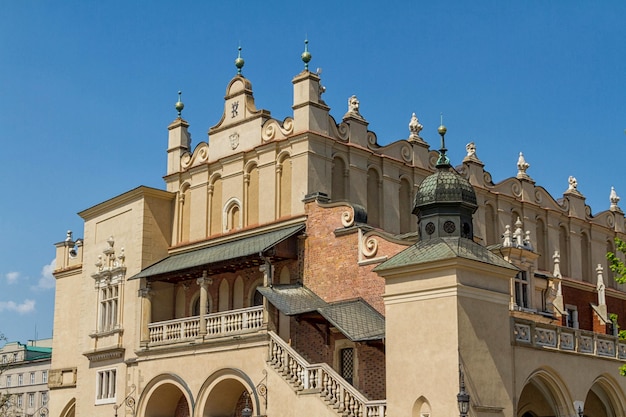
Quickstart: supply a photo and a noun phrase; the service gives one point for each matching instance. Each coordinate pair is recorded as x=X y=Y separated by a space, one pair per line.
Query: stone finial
x=68 y=236
x=557 y=261
x=518 y=234
x=518 y=238
x=522 y=166
x=415 y=128
x=600 y=286
x=353 y=108
x=614 y=198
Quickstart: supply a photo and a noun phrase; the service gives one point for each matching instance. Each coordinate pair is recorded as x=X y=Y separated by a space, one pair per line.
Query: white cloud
x=27 y=306
x=12 y=277
x=47 y=281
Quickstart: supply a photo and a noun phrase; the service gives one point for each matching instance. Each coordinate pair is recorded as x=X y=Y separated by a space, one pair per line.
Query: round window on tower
x=430 y=228
x=449 y=227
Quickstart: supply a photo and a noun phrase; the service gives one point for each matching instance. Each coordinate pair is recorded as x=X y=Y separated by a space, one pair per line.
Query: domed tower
x=445 y=201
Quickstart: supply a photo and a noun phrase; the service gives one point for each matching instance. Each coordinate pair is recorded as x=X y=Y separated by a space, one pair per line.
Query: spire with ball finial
x=179 y=105
x=239 y=61
x=306 y=55
x=443 y=161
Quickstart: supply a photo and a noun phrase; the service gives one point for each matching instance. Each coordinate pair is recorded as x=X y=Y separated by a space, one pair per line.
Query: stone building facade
x=282 y=271
x=24 y=371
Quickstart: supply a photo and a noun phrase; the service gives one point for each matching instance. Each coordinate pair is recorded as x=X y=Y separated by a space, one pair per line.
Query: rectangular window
x=44 y=377
x=31 y=399
x=20 y=380
x=44 y=398
x=20 y=401
x=347 y=364
x=32 y=378
x=4 y=358
x=105 y=386
x=521 y=290
x=571 y=320
x=108 y=308
x=8 y=381
x=15 y=357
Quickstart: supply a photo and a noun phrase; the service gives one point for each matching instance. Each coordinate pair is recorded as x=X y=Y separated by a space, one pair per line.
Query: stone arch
x=605 y=398
x=541 y=247
x=564 y=250
x=70 y=409
x=223 y=298
x=405 y=205
x=184 y=211
x=254 y=297
x=251 y=193
x=544 y=393
x=610 y=276
x=232 y=215
x=491 y=225
x=238 y=300
x=283 y=184
x=162 y=397
x=215 y=204
x=222 y=393
x=339 y=178
x=421 y=408
x=194 y=305
x=374 y=215
x=588 y=275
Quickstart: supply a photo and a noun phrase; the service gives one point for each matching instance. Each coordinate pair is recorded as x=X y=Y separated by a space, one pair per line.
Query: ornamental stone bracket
x=368 y=248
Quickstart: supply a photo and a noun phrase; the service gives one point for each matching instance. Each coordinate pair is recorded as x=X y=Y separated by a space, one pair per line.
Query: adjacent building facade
x=24 y=377
x=298 y=267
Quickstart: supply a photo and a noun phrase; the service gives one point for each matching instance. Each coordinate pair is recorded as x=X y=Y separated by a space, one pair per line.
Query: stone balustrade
x=542 y=335
x=226 y=323
x=322 y=379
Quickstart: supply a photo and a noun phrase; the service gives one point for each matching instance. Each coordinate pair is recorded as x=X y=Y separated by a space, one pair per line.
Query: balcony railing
x=541 y=335
x=320 y=377
x=225 y=323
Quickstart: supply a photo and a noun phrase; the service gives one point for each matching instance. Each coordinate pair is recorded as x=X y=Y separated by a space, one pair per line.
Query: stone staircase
x=322 y=380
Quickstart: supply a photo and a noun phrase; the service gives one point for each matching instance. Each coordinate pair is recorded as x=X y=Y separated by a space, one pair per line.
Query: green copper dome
x=444 y=186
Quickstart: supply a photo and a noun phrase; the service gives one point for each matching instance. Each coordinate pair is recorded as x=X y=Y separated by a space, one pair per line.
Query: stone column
x=203 y=282
x=146 y=314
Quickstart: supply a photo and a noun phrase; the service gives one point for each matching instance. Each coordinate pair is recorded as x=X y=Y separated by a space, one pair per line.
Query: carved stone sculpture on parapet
x=353 y=109
x=572 y=186
x=470 y=148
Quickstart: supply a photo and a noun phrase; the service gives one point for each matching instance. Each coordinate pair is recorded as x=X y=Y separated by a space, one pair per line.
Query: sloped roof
x=442 y=248
x=292 y=299
x=356 y=319
x=236 y=248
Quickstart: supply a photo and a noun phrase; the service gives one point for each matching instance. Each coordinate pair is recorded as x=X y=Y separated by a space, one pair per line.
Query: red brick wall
x=583 y=298
x=311 y=344
x=330 y=267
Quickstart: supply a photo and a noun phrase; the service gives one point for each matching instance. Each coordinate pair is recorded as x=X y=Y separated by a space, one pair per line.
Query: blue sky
x=88 y=88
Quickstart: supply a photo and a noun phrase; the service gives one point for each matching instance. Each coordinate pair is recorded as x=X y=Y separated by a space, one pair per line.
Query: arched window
x=195 y=308
x=373 y=198
x=338 y=190
x=232 y=215
x=405 y=206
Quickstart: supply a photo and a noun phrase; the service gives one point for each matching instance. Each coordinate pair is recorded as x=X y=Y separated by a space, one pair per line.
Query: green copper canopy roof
x=444 y=186
x=440 y=249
